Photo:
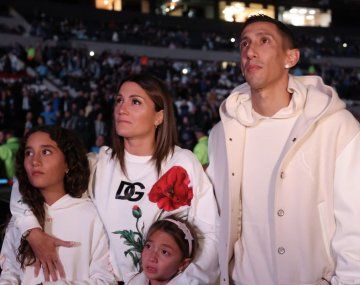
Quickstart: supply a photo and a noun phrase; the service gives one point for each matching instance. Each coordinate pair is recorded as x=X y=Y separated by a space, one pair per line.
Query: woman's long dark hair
x=165 y=134
x=75 y=181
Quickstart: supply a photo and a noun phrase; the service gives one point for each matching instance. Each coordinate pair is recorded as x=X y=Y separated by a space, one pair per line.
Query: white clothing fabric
x=72 y=219
x=316 y=199
x=119 y=199
x=265 y=139
x=141 y=279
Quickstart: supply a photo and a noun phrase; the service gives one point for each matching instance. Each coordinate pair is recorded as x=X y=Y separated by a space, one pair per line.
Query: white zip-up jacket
x=316 y=233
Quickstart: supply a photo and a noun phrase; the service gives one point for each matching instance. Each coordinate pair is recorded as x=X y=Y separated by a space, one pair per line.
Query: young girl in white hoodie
x=53 y=173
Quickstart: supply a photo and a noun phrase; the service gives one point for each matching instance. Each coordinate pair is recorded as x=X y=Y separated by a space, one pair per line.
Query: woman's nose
x=122 y=108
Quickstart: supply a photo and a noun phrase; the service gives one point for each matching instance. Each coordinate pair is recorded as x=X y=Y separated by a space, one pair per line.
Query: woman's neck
x=139 y=147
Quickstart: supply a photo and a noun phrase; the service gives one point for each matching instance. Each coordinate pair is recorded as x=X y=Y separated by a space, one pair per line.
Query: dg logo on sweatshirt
x=130 y=191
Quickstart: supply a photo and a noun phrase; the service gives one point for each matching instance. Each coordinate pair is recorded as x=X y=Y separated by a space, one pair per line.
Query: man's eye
x=264 y=40
x=244 y=44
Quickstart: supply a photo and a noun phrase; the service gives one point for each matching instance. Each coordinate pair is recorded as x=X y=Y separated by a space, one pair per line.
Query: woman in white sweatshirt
x=53 y=173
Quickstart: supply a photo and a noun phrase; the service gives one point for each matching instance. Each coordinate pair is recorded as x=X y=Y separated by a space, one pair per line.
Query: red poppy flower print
x=171 y=191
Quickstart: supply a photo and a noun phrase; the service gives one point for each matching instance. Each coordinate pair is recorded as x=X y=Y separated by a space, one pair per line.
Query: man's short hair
x=284 y=30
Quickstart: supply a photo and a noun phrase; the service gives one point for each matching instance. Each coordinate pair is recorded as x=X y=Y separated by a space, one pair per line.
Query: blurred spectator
x=99 y=125
x=201 y=148
x=40 y=121
x=28 y=122
x=186 y=134
x=99 y=142
x=82 y=128
x=49 y=115
x=8 y=152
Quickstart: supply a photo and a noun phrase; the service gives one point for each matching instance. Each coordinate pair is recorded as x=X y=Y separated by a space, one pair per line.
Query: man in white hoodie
x=285 y=164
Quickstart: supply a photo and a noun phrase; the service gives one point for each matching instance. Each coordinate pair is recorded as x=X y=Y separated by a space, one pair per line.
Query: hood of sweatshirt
x=66 y=202
x=309 y=95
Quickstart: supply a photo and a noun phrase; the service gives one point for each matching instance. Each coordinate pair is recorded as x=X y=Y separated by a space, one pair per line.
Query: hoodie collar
x=309 y=93
x=239 y=105
x=66 y=201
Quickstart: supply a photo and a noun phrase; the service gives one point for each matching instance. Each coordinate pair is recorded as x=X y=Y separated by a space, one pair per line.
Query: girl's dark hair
x=165 y=134
x=75 y=181
x=177 y=234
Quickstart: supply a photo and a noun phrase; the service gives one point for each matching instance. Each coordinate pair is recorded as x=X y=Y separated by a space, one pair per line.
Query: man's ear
x=292 y=57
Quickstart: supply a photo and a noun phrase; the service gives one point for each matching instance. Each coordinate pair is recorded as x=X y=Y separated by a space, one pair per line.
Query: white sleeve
x=100 y=266
x=78 y=282
x=24 y=217
x=204 y=215
x=93 y=158
x=10 y=274
x=346 y=240
x=217 y=170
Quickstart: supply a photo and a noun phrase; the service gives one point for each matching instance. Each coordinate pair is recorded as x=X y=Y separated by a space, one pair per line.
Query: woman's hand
x=44 y=247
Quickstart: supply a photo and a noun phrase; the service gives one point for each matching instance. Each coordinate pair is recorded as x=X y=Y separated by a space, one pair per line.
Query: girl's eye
x=165 y=252
x=147 y=245
x=28 y=153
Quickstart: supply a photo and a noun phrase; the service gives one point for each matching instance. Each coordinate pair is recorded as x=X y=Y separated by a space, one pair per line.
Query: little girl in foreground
x=53 y=173
x=170 y=246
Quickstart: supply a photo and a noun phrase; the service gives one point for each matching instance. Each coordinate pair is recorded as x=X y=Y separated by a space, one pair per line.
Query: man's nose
x=251 y=51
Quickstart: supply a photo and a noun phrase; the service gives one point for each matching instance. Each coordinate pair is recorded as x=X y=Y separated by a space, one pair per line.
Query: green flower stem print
x=135 y=240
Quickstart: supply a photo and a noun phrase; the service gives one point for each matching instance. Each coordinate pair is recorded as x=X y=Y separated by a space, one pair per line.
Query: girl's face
x=45 y=163
x=162 y=258
x=134 y=113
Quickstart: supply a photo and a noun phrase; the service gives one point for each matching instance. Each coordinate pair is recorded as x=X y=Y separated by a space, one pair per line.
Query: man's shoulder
x=217 y=129
x=216 y=143
x=342 y=119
